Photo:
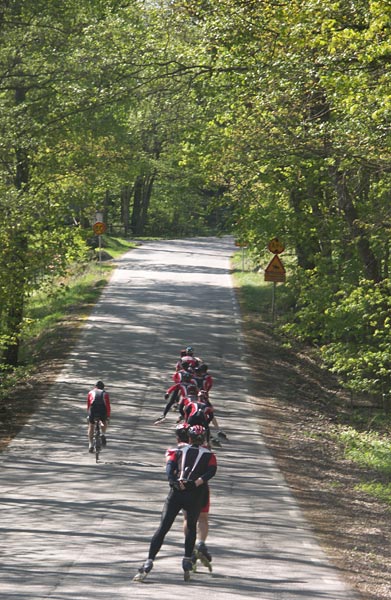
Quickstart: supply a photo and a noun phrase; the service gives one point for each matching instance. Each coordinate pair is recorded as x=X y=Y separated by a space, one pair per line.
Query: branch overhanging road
x=75 y=530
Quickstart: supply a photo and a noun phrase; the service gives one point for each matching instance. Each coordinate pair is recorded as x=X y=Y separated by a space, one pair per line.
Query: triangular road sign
x=275 y=270
x=275 y=266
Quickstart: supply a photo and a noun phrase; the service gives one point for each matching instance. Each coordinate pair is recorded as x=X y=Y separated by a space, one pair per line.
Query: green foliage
x=303 y=144
x=185 y=118
x=304 y=300
x=10 y=378
x=48 y=308
x=382 y=491
x=359 y=337
x=369 y=449
x=351 y=327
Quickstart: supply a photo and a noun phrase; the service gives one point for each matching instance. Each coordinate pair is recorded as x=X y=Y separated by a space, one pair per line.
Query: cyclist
x=98 y=407
x=188 y=469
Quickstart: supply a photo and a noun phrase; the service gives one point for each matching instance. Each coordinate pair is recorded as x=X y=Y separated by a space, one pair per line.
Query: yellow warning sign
x=276 y=246
x=99 y=228
x=275 y=270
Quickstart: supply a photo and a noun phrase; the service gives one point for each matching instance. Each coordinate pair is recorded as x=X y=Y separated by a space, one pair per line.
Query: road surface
x=72 y=529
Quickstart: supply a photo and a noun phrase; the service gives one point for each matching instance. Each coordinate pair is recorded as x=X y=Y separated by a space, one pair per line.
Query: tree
x=56 y=78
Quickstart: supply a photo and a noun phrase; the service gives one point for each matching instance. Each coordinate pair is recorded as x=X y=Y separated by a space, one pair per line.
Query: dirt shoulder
x=298 y=407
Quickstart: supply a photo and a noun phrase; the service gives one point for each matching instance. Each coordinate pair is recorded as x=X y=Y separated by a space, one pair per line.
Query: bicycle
x=97 y=441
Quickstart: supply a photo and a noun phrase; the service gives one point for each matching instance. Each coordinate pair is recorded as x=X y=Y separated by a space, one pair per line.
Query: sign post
x=243 y=246
x=275 y=270
x=99 y=228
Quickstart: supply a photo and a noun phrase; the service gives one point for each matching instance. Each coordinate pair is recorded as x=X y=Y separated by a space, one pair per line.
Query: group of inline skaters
x=190 y=465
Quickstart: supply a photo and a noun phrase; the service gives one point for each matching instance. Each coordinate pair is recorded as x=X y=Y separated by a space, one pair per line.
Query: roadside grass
x=63 y=304
x=364 y=435
x=254 y=293
x=116 y=246
x=370 y=449
x=69 y=298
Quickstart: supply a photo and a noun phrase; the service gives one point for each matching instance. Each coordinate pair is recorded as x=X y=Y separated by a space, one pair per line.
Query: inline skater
x=203 y=397
x=203 y=378
x=189 y=358
x=195 y=412
x=185 y=369
x=176 y=393
x=201 y=549
x=188 y=469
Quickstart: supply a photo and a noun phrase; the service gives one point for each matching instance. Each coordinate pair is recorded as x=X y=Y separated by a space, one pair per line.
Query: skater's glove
x=175 y=485
x=221 y=435
x=166 y=396
x=190 y=485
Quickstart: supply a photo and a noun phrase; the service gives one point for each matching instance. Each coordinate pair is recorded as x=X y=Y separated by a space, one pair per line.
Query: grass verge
x=55 y=312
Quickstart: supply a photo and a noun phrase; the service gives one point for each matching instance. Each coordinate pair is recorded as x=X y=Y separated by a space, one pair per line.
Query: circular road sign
x=99 y=228
x=276 y=246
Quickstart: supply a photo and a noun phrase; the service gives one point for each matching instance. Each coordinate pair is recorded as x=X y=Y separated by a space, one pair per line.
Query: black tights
x=190 y=501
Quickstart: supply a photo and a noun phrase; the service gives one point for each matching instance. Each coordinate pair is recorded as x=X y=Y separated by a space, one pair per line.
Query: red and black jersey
x=178 y=392
x=188 y=463
x=198 y=413
x=192 y=361
x=99 y=396
x=182 y=376
x=204 y=381
x=181 y=388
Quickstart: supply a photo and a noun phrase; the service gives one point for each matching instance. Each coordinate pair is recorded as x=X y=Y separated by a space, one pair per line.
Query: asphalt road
x=72 y=529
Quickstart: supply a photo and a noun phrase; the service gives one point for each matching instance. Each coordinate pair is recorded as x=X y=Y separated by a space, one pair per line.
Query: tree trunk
x=126 y=194
x=137 y=195
x=386 y=271
x=147 y=192
x=304 y=250
x=369 y=261
x=142 y=196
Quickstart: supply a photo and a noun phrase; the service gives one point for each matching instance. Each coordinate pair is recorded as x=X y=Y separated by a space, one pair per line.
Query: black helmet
x=100 y=385
x=203 y=396
x=189 y=351
x=186 y=377
x=196 y=434
x=181 y=432
x=185 y=365
x=203 y=367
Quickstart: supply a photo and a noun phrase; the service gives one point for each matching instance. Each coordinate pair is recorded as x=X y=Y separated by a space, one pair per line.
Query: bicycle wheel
x=97 y=441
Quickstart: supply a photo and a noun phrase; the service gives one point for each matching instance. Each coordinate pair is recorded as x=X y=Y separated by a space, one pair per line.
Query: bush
x=358 y=327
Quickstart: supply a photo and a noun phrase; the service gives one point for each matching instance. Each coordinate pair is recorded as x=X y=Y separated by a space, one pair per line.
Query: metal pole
x=100 y=253
x=274 y=302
